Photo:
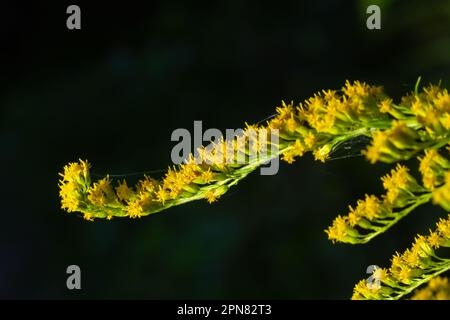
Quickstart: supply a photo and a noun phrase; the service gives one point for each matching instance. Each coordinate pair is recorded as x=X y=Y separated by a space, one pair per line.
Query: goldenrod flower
x=375 y=215
x=433 y=167
x=397 y=143
x=419 y=123
x=400 y=186
x=441 y=195
x=124 y=193
x=437 y=289
x=413 y=267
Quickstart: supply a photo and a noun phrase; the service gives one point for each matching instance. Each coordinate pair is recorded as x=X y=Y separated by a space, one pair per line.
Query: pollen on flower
x=374 y=151
x=137 y=208
x=371 y=207
x=310 y=140
x=339 y=229
x=380 y=274
x=432 y=167
x=70 y=195
x=189 y=172
x=386 y=105
x=147 y=184
x=291 y=124
x=360 y=290
x=71 y=171
x=405 y=275
x=298 y=148
x=437 y=289
x=88 y=216
x=172 y=185
x=162 y=195
x=441 y=195
x=422 y=247
x=124 y=193
x=207 y=175
x=323 y=153
x=353 y=217
x=411 y=257
x=211 y=196
x=444 y=227
x=289 y=157
x=96 y=196
x=398 y=182
x=101 y=192
x=434 y=239
x=356 y=89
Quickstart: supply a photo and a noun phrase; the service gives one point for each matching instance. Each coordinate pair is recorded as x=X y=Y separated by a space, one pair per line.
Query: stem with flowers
x=416 y=126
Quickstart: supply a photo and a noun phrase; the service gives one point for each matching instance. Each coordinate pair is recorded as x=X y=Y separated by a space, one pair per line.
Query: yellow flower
x=441 y=195
x=207 y=175
x=75 y=170
x=339 y=230
x=434 y=239
x=356 y=89
x=75 y=179
x=161 y=195
x=353 y=217
x=70 y=196
x=379 y=141
x=399 y=185
x=443 y=227
x=211 y=196
x=437 y=289
x=289 y=157
x=380 y=274
x=407 y=275
x=297 y=150
x=310 y=140
x=189 y=172
x=135 y=209
x=370 y=208
x=386 y=105
x=101 y=192
x=88 y=216
x=432 y=167
x=393 y=144
x=291 y=124
x=323 y=153
x=124 y=193
x=411 y=258
x=147 y=185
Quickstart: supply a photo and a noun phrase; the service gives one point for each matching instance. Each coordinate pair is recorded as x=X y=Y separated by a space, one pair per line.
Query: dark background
x=114 y=91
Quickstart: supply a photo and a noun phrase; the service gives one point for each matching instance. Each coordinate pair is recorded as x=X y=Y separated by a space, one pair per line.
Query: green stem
x=445 y=267
x=419 y=201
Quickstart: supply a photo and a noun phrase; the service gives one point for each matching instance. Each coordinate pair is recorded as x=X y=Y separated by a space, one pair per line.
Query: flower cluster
x=412 y=268
x=437 y=289
x=75 y=180
x=319 y=125
x=375 y=215
x=419 y=124
x=433 y=167
x=421 y=120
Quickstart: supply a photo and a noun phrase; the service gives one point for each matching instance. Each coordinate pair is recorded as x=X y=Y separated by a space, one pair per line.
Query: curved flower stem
x=439 y=270
x=425 y=198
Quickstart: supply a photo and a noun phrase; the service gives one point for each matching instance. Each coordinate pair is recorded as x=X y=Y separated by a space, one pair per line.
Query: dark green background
x=113 y=93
